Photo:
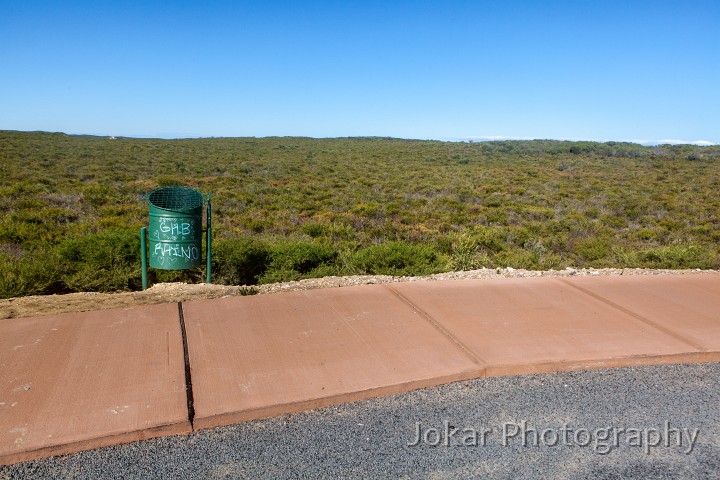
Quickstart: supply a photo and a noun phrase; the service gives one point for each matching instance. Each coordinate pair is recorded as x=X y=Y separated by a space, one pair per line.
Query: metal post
x=209 y=241
x=143 y=257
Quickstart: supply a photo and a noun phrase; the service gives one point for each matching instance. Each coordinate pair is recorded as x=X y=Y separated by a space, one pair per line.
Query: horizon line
x=479 y=138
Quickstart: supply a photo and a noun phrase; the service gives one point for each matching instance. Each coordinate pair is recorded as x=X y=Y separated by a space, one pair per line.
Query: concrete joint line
x=645 y=320
x=188 y=378
x=475 y=358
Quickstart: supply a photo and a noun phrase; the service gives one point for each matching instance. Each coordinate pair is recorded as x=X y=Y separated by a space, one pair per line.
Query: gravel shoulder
x=40 y=305
x=667 y=405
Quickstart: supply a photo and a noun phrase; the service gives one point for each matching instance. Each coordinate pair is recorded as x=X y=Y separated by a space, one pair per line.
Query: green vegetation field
x=290 y=208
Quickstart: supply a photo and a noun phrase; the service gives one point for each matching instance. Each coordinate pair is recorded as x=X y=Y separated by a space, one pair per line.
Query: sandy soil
x=180 y=292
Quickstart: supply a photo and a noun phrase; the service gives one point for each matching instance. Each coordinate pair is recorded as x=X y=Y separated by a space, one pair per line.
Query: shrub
x=102 y=262
x=466 y=255
x=398 y=258
x=301 y=257
x=315 y=229
x=280 y=275
x=294 y=260
x=594 y=248
x=33 y=273
x=648 y=234
x=492 y=239
x=678 y=256
x=240 y=261
x=517 y=258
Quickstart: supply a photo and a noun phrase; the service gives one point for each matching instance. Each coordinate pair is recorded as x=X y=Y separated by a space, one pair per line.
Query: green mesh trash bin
x=175 y=229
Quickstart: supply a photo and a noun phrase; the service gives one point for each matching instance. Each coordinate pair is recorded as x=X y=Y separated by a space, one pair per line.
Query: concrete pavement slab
x=266 y=355
x=72 y=382
x=687 y=306
x=530 y=325
x=77 y=381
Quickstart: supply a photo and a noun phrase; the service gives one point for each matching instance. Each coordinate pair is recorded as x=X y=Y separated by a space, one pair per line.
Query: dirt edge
x=40 y=305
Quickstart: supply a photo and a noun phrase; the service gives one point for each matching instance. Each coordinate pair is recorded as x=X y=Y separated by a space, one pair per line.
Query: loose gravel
x=483 y=273
x=370 y=439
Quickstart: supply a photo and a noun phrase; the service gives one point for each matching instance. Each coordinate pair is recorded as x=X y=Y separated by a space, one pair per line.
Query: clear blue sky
x=602 y=70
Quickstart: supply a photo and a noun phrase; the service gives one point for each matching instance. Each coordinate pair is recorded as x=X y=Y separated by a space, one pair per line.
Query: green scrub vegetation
x=293 y=208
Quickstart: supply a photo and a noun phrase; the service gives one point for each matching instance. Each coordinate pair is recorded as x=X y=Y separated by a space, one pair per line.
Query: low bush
x=593 y=249
x=398 y=258
x=678 y=256
x=292 y=260
x=466 y=254
x=102 y=262
x=315 y=229
x=279 y=275
x=517 y=258
x=239 y=261
x=32 y=273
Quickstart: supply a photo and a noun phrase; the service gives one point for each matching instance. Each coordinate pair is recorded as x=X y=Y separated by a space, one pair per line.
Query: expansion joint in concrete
x=465 y=349
x=637 y=316
x=188 y=377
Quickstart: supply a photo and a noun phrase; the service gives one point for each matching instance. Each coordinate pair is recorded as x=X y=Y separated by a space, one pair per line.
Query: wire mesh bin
x=175 y=228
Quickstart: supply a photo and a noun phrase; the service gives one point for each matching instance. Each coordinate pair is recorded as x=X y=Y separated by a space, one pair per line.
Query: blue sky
x=599 y=70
